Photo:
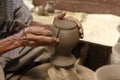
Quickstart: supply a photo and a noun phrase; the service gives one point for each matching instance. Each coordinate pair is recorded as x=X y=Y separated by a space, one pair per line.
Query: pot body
x=50 y=6
x=68 y=39
x=68 y=33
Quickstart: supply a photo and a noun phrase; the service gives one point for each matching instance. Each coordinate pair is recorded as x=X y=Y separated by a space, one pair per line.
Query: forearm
x=8 y=44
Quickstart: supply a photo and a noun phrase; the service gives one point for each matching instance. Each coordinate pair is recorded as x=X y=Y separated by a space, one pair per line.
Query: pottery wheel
x=64 y=61
x=83 y=73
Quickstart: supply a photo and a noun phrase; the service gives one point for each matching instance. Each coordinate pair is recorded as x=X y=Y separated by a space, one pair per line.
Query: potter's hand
x=62 y=16
x=35 y=36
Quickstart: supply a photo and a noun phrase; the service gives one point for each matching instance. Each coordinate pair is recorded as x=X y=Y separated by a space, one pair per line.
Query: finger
x=78 y=24
x=60 y=16
x=38 y=43
x=39 y=31
x=81 y=33
x=82 y=36
x=48 y=40
x=43 y=40
x=45 y=26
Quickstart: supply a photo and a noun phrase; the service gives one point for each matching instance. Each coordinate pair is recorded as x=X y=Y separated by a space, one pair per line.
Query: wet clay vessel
x=68 y=33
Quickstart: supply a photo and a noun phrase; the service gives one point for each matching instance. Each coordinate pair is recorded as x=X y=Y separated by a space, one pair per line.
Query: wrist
x=9 y=43
x=18 y=41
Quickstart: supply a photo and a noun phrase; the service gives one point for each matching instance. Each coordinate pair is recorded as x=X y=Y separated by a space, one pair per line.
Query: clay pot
x=68 y=33
x=39 y=10
x=108 y=72
x=50 y=6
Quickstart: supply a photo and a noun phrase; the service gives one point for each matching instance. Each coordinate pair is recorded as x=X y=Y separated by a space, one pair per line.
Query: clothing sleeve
x=22 y=12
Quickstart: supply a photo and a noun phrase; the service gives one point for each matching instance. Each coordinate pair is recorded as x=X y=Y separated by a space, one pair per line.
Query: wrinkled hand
x=36 y=36
x=62 y=16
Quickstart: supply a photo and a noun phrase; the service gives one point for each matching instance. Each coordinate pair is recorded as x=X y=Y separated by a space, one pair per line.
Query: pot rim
x=64 y=24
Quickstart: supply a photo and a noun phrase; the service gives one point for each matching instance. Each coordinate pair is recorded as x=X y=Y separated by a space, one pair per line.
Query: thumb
x=60 y=16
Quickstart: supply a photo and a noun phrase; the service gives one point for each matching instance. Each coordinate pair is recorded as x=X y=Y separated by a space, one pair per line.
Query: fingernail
x=56 y=39
x=81 y=31
x=81 y=36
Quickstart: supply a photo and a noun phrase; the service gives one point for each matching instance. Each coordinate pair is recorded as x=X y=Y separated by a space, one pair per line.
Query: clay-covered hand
x=35 y=36
x=62 y=16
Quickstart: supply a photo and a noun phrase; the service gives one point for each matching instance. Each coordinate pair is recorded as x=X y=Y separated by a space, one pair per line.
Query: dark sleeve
x=22 y=12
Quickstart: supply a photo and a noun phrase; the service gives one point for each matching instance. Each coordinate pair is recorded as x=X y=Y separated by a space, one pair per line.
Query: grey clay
x=68 y=33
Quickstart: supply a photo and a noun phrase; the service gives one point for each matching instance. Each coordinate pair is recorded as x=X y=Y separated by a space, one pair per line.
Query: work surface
x=98 y=28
